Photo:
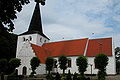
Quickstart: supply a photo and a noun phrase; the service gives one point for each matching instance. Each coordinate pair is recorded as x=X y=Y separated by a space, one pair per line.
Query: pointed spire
x=36 y=24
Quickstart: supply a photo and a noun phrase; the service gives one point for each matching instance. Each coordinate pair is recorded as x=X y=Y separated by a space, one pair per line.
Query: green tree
x=3 y=65
x=101 y=61
x=49 y=64
x=81 y=62
x=63 y=63
x=8 y=43
x=35 y=62
x=8 y=11
x=13 y=64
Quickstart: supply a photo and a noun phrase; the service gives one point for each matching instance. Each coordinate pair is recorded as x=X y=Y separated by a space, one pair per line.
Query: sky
x=75 y=19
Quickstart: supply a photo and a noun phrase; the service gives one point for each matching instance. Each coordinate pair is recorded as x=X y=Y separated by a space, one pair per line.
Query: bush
x=75 y=76
x=57 y=76
x=69 y=75
x=49 y=77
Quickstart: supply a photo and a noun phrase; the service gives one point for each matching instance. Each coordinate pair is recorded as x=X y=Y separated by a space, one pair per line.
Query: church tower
x=35 y=33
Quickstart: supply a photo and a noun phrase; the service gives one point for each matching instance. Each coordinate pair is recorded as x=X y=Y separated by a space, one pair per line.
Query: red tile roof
x=40 y=52
x=74 y=48
x=68 y=48
x=97 y=46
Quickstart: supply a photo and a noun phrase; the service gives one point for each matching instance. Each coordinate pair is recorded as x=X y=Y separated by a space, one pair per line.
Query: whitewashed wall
x=26 y=54
x=110 y=69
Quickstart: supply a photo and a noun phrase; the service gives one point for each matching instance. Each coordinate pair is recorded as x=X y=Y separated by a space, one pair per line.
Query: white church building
x=35 y=43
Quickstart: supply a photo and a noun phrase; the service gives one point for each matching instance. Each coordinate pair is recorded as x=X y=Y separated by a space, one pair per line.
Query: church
x=34 y=42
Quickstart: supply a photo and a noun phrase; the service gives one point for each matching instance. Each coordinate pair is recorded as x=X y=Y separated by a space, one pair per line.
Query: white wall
x=25 y=54
x=110 y=69
x=35 y=40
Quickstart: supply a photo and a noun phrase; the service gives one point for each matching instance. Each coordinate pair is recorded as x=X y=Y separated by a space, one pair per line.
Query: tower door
x=24 y=71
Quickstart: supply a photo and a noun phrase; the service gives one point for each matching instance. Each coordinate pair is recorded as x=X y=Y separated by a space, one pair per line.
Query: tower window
x=69 y=62
x=40 y=39
x=30 y=38
x=23 y=38
x=45 y=41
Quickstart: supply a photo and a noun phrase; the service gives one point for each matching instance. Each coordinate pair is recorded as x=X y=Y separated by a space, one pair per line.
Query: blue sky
x=75 y=19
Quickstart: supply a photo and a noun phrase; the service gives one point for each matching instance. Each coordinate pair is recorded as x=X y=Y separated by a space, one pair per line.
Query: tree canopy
x=101 y=61
x=8 y=43
x=63 y=63
x=49 y=64
x=35 y=62
x=8 y=10
x=81 y=62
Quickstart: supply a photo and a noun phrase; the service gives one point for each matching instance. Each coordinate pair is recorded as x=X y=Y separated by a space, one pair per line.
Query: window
x=30 y=38
x=55 y=63
x=40 y=39
x=45 y=41
x=23 y=38
x=69 y=62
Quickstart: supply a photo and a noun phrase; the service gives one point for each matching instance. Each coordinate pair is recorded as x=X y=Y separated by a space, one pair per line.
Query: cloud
x=74 y=19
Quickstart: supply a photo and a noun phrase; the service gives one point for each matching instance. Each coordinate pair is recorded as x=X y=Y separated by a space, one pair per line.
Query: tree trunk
x=63 y=71
x=49 y=72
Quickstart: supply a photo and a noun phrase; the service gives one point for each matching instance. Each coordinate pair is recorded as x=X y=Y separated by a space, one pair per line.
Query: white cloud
x=73 y=19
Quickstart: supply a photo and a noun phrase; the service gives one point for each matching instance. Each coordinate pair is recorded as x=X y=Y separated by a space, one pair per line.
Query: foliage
x=63 y=77
x=63 y=63
x=13 y=64
x=81 y=62
x=49 y=77
x=117 y=53
x=35 y=62
x=49 y=64
x=75 y=76
x=117 y=56
x=69 y=75
x=8 y=43
x=3 y=65
x=101 y=61
x=8 y=10
x=57 y=76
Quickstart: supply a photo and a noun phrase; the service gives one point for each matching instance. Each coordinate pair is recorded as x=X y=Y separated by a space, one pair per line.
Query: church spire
x=36 y=24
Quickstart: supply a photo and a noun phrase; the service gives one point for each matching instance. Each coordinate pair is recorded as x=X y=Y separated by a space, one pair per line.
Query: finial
x=40 y=1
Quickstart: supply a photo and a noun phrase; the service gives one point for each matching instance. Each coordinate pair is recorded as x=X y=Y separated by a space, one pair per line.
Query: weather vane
x=40 y=1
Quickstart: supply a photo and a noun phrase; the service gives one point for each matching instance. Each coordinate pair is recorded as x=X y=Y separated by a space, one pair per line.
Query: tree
x=35 y=62
x=63 y=63
x=81 y=62
x=8 y=43
x=49 y=64
x=3 y=65
x=101 y=61
x=8 y=11
x=13 y=64
x=117 y=53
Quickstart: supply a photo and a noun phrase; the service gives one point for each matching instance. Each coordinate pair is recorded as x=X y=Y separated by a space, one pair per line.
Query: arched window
x=69 y=62
x=30 y=38
x=23 y=38
x=40 y=39
x=24 y=71
x=45 y=41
